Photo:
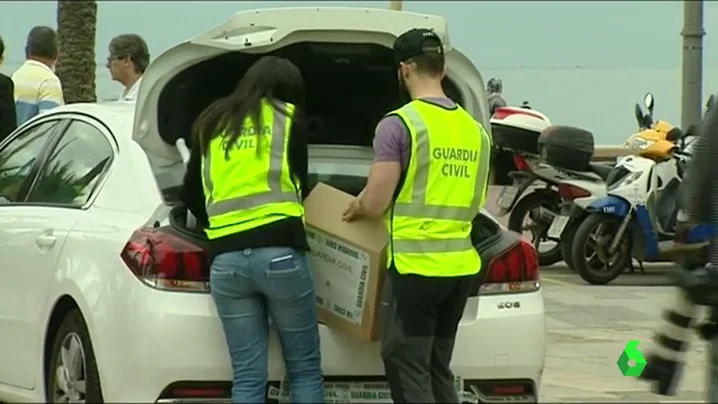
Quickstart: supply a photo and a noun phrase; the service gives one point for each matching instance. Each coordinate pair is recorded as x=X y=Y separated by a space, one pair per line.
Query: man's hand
x=353 y=211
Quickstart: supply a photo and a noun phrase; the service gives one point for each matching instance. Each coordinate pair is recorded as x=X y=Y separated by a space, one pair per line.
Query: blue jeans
x=249 y=287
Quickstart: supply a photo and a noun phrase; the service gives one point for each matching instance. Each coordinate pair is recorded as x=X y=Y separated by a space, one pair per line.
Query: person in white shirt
x=127 y=62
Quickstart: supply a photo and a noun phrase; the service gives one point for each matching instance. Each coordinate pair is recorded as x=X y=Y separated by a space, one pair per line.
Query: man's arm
x=390 y=154
x=484 y=163
x=50 y=95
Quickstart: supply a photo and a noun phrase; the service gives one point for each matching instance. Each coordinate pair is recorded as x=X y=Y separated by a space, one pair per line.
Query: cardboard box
x=348 y=263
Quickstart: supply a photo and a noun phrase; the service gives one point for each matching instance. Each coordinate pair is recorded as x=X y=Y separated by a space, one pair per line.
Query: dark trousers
x=420 y=320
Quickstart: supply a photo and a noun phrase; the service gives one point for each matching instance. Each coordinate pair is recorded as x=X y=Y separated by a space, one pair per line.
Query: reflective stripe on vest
x=417 y=208
x=274 y=180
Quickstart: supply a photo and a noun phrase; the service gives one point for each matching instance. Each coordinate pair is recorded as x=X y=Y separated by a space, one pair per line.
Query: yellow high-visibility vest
x=253 y=185
x=444 y=189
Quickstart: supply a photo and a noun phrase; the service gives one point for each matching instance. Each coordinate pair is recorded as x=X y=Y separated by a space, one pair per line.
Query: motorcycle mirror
x=648 y=101
x=639 y=116
x=674 y=135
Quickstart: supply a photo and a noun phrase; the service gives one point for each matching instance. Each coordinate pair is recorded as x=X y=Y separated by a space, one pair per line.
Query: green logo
x=631 y=353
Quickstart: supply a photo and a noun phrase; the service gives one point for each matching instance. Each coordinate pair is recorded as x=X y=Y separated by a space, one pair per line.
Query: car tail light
x=165 y=261
x=514 y=271
x=569 y=192
x=521 y=163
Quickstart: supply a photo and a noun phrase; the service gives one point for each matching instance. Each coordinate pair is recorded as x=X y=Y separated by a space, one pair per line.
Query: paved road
x=588 y=328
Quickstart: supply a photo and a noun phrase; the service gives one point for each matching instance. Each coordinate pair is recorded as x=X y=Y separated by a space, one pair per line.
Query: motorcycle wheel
x=590 y=249
x=567 y=243
x=528 y=207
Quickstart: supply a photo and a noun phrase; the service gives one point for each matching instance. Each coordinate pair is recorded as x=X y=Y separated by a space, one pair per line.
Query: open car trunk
x=349 y=88
x=345 y=58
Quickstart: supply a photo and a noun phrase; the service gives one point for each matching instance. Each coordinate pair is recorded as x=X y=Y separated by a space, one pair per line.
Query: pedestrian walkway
x=588 y=328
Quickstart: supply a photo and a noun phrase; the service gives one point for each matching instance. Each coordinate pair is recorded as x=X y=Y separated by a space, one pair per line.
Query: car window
x=74 y=168
x=347 y=176
x=18 y=157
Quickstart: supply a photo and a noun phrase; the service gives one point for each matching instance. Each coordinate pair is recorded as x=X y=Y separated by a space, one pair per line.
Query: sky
x=499 y=34
x=582 y=63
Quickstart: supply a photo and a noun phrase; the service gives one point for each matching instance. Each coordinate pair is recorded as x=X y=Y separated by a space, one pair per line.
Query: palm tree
x=76 y=28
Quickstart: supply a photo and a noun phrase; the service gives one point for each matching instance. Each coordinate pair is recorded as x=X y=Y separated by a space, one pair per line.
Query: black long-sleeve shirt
x=8 y=117
x=287 y=232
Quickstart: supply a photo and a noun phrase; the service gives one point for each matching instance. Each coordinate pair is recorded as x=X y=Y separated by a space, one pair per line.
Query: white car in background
x=105 y=295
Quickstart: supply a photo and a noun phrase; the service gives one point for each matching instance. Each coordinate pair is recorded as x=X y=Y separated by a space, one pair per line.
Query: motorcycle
x=634 y=219
x=578 y=194
x=517 y=130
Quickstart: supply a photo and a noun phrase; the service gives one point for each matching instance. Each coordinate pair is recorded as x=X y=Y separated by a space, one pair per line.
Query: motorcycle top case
x=566 y=147
x=517 y=129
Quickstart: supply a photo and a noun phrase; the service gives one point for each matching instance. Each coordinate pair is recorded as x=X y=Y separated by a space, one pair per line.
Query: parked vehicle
x=635 y=220
x=578 y=194
x=532 y=208
x=105 y=295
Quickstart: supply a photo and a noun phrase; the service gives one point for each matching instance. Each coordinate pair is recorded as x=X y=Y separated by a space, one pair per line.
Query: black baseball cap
x=417 y=42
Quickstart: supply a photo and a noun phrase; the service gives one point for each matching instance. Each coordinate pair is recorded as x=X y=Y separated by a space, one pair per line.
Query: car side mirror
x=4 y=200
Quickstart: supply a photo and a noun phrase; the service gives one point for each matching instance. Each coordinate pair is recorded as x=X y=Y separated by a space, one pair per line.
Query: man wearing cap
x=429 y=180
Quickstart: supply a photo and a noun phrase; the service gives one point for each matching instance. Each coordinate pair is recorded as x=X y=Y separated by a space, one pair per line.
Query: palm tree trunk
x=76 y=27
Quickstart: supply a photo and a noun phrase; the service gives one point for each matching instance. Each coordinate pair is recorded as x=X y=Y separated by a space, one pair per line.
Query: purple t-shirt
x=392 y=140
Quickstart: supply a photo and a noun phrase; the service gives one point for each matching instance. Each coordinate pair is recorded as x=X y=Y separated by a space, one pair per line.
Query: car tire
x=67 y=370
x=581 y=243
x=547 y=199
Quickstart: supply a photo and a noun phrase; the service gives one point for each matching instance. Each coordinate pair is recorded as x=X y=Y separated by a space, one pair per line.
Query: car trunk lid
x=262 y=31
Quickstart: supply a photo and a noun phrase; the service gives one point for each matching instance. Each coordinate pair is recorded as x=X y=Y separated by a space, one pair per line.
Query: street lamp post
x=692 y=81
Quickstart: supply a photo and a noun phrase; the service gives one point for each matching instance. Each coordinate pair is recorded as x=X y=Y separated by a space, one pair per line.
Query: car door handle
x=46 y=241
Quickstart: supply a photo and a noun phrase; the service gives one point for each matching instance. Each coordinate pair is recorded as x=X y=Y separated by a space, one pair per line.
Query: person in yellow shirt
x=429 y=180
x=37 y=87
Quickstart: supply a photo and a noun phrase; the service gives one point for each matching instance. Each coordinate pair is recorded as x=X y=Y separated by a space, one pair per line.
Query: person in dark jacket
x=699 y=193
x=8 y=116
x=494 y=88
x=245 y=181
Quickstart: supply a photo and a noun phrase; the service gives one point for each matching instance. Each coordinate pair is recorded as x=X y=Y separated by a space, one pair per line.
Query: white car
x=104 y=292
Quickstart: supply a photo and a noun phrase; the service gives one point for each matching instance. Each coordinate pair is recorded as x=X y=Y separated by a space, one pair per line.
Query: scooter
x=635 y=220
x=578 y=194
x=541 y=203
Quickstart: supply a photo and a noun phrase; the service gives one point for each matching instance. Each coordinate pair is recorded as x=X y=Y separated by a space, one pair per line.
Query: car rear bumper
x=159 y=338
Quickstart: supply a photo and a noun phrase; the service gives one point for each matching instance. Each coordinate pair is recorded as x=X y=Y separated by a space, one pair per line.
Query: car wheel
x=529 y=207
x=591 y=257
x=72 y=376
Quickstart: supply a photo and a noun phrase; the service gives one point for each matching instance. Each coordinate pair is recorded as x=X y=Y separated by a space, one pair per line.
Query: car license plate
x=506 y=197
x=559 y=223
